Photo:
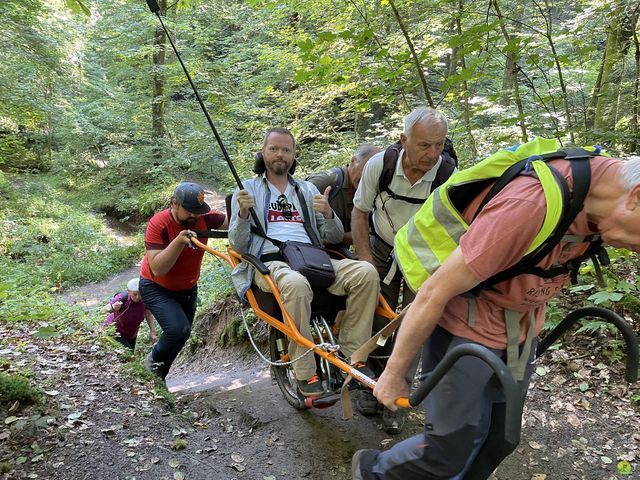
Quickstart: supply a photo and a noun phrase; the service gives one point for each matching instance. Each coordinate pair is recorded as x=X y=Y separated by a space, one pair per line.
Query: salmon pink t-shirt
x=497 y=239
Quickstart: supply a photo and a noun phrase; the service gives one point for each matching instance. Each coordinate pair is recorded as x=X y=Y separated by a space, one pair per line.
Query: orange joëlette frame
x=288 y=326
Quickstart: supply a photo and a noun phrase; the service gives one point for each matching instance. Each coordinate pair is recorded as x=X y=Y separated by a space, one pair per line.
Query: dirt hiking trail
x=230 y=421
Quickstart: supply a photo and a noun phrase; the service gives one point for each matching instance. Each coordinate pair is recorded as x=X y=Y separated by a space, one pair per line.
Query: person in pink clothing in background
x=127 y=311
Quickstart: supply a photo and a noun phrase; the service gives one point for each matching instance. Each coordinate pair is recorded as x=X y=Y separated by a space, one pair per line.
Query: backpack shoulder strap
x=573 y=203
x=447 y=166
x=390 y=158
x=450 y=151
x=389 y=162
x=335 y=189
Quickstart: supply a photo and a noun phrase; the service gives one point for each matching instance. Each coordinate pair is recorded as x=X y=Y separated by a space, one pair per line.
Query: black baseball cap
x=191 y=197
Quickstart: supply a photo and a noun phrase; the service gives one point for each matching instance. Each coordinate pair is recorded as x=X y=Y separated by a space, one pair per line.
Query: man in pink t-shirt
x=464 y=424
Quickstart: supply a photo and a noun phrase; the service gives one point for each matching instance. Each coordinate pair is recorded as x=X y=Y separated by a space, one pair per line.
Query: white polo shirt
x=389 y=214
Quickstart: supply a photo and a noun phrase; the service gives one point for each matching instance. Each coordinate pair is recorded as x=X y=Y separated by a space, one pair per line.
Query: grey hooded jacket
x=242 y=240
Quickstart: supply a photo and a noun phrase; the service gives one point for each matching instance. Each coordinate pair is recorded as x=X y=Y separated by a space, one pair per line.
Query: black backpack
x=574 y=203
x=391 y=154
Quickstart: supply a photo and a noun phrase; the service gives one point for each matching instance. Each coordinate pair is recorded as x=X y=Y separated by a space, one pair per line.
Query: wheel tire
x=284 y=375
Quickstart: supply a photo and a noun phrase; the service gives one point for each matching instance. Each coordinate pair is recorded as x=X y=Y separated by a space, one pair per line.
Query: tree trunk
x=49 y=120
x=376 y=38
x=619 y=36
x=636 y=97
x=591 y=110
x=563 y=88
x=414 y=55
x=158 y=102
x=467 y=108
x=510 y=81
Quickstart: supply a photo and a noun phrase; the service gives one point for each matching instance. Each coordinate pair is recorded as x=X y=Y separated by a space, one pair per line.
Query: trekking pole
x=155 y=8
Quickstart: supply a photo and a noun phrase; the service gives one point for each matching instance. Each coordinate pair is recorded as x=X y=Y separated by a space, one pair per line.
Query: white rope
x=327 y=347
x=324 y=346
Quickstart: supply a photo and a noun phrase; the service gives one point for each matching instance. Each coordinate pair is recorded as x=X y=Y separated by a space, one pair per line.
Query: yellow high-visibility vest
x=433 y=233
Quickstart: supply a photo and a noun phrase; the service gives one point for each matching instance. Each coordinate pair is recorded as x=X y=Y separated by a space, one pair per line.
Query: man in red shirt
x=170 y=272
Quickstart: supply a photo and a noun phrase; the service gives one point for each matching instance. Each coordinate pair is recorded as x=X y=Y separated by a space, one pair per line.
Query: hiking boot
x=393 y=421
x=356 y=474
x=153 y=367
x=367 y=404
x=311 y=387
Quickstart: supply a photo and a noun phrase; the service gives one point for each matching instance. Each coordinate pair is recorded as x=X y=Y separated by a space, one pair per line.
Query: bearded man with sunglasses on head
x=272 y=195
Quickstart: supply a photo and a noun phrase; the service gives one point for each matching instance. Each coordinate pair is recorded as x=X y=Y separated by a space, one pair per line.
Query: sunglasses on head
x=285 y=206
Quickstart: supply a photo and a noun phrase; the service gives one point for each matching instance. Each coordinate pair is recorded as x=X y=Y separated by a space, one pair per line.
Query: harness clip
x=530 y=160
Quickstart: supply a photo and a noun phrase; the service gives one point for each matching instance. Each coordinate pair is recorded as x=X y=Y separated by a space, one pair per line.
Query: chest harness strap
x=516 y=361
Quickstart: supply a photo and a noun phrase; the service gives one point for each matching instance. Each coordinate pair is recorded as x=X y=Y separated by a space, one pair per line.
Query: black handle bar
x=630 y=337
x=509 y=387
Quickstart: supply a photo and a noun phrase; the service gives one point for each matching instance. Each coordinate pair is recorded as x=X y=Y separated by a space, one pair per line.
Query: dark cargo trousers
x=464 y=423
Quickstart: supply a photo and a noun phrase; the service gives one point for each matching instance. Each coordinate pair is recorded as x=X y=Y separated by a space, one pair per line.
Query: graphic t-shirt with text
x=284 y=219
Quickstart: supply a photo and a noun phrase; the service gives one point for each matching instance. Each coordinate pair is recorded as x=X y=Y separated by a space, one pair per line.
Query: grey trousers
x=464 y=423
x=391 y=293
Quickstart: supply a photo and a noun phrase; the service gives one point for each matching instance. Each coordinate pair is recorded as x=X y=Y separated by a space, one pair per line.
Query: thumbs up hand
x=321 y=203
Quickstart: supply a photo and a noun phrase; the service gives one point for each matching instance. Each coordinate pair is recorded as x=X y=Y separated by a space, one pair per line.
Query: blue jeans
x=174 y=311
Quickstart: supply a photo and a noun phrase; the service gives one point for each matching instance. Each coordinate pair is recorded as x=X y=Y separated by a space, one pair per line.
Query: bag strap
x=335 y=189
x=306 y=219
x=313 y=236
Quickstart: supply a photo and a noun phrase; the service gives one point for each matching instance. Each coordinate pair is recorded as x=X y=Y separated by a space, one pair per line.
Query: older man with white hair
x=394 y=185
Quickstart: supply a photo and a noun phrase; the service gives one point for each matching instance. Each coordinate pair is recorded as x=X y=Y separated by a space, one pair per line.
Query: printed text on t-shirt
x=275 y=213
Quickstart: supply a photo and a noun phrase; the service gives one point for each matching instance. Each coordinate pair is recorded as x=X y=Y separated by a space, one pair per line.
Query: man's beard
x=189 y=222
x=279 y=168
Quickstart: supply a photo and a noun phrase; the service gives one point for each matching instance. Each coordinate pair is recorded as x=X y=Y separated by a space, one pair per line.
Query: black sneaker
x=355 y=465
x=311 y=387
x=356 y=473
x=393 y=422
x=153 y=367
x=367 y=404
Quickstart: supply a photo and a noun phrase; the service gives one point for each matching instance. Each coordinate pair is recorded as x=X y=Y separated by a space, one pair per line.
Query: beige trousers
x=357 y=280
